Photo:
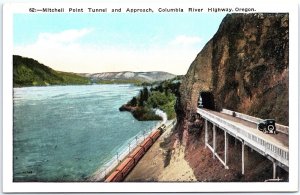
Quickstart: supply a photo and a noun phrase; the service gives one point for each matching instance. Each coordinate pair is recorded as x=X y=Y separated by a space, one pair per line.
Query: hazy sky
x=90 y=43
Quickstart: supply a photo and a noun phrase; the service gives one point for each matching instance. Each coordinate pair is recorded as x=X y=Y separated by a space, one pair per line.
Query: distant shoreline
x=73 y=85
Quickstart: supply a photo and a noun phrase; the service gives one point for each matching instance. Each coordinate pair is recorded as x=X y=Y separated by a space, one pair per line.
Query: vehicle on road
x=267 y=126
x=200 y=103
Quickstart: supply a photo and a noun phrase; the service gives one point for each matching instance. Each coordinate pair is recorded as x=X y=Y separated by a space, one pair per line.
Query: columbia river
x=66 y=133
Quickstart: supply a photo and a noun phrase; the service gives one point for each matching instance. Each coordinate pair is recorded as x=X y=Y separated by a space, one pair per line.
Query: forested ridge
x=29 y=72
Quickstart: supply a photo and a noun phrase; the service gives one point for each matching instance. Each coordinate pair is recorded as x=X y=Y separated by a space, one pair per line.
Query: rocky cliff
x=244 y=67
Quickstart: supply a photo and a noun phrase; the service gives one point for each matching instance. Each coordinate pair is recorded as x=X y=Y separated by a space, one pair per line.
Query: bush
x=144 y=114
x=163 y=102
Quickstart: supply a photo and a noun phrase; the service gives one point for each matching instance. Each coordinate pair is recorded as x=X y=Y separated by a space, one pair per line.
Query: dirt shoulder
x=161 y=163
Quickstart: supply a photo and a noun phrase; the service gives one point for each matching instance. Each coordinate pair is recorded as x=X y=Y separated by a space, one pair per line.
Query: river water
x=65 y=133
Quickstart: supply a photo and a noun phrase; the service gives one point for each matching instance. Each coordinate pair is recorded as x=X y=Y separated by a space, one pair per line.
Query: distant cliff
x=128 y=77
x=29 y=72
x=244 y=67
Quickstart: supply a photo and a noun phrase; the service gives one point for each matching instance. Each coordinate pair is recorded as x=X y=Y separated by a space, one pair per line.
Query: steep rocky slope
x=244 y=67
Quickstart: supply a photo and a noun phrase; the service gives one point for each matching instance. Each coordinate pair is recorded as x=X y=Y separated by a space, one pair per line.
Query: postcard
x=140 y=96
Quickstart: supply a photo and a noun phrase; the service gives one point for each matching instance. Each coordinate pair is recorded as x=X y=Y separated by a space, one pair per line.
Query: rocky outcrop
x=244 y=67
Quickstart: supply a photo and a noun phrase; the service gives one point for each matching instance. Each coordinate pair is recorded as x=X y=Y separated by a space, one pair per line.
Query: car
x=267 y=126
x=200 y=103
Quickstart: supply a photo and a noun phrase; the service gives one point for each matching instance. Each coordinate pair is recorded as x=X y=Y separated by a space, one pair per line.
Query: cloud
x=66 y=36
x=62 y=51
x=186 y=40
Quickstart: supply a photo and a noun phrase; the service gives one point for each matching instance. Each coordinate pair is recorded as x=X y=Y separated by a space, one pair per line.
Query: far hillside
x=29 y=72
x=128 y=77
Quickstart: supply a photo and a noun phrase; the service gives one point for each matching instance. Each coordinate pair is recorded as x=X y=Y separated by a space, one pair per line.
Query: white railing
x=121 y=154
x=280 y=128
x=277 y=152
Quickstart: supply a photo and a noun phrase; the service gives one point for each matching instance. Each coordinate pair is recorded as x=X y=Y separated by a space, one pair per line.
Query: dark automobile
x=267 y=126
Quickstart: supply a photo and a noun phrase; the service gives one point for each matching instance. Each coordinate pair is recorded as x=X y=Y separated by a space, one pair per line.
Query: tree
x=133 y=101
x=145 y=94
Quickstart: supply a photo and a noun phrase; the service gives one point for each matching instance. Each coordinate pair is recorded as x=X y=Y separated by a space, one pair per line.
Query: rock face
x=244 y=67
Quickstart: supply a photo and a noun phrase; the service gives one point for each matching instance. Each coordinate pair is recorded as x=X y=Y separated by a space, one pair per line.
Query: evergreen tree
x=133 y=102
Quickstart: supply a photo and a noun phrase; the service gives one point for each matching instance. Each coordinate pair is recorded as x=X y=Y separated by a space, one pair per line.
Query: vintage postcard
x=140 y=96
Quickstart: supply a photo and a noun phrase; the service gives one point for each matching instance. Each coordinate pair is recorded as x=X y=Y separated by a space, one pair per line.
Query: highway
x=273 y=146
x=277 y=139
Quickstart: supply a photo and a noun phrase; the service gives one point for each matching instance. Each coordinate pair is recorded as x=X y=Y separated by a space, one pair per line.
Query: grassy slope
x=29 y=72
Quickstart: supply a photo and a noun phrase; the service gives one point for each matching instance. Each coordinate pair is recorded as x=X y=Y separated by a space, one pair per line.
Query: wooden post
x=206 y=136
x=274 y=170
x=214 y=140
x=226 y=147
x=243 y=158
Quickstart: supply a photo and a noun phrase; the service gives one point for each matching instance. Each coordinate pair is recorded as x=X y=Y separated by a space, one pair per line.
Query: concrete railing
x=280 y=128
x=277 y=152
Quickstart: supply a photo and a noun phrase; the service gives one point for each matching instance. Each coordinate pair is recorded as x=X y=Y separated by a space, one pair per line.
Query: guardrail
x=277 y=152
x=280 y=128
x=121 y=154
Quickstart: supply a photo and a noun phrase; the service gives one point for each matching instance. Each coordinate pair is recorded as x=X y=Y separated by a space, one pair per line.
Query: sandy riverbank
x=155 y=165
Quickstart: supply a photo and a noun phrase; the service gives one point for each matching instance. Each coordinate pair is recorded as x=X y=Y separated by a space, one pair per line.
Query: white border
x=272 y=6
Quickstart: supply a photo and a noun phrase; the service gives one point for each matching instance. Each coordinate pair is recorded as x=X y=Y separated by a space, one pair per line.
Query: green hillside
x=29 y=72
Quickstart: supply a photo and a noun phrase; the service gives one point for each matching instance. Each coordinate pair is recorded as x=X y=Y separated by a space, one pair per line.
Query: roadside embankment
x=164 y=161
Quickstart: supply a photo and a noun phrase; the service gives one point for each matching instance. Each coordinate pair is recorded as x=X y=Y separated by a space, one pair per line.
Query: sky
x=92 y=43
